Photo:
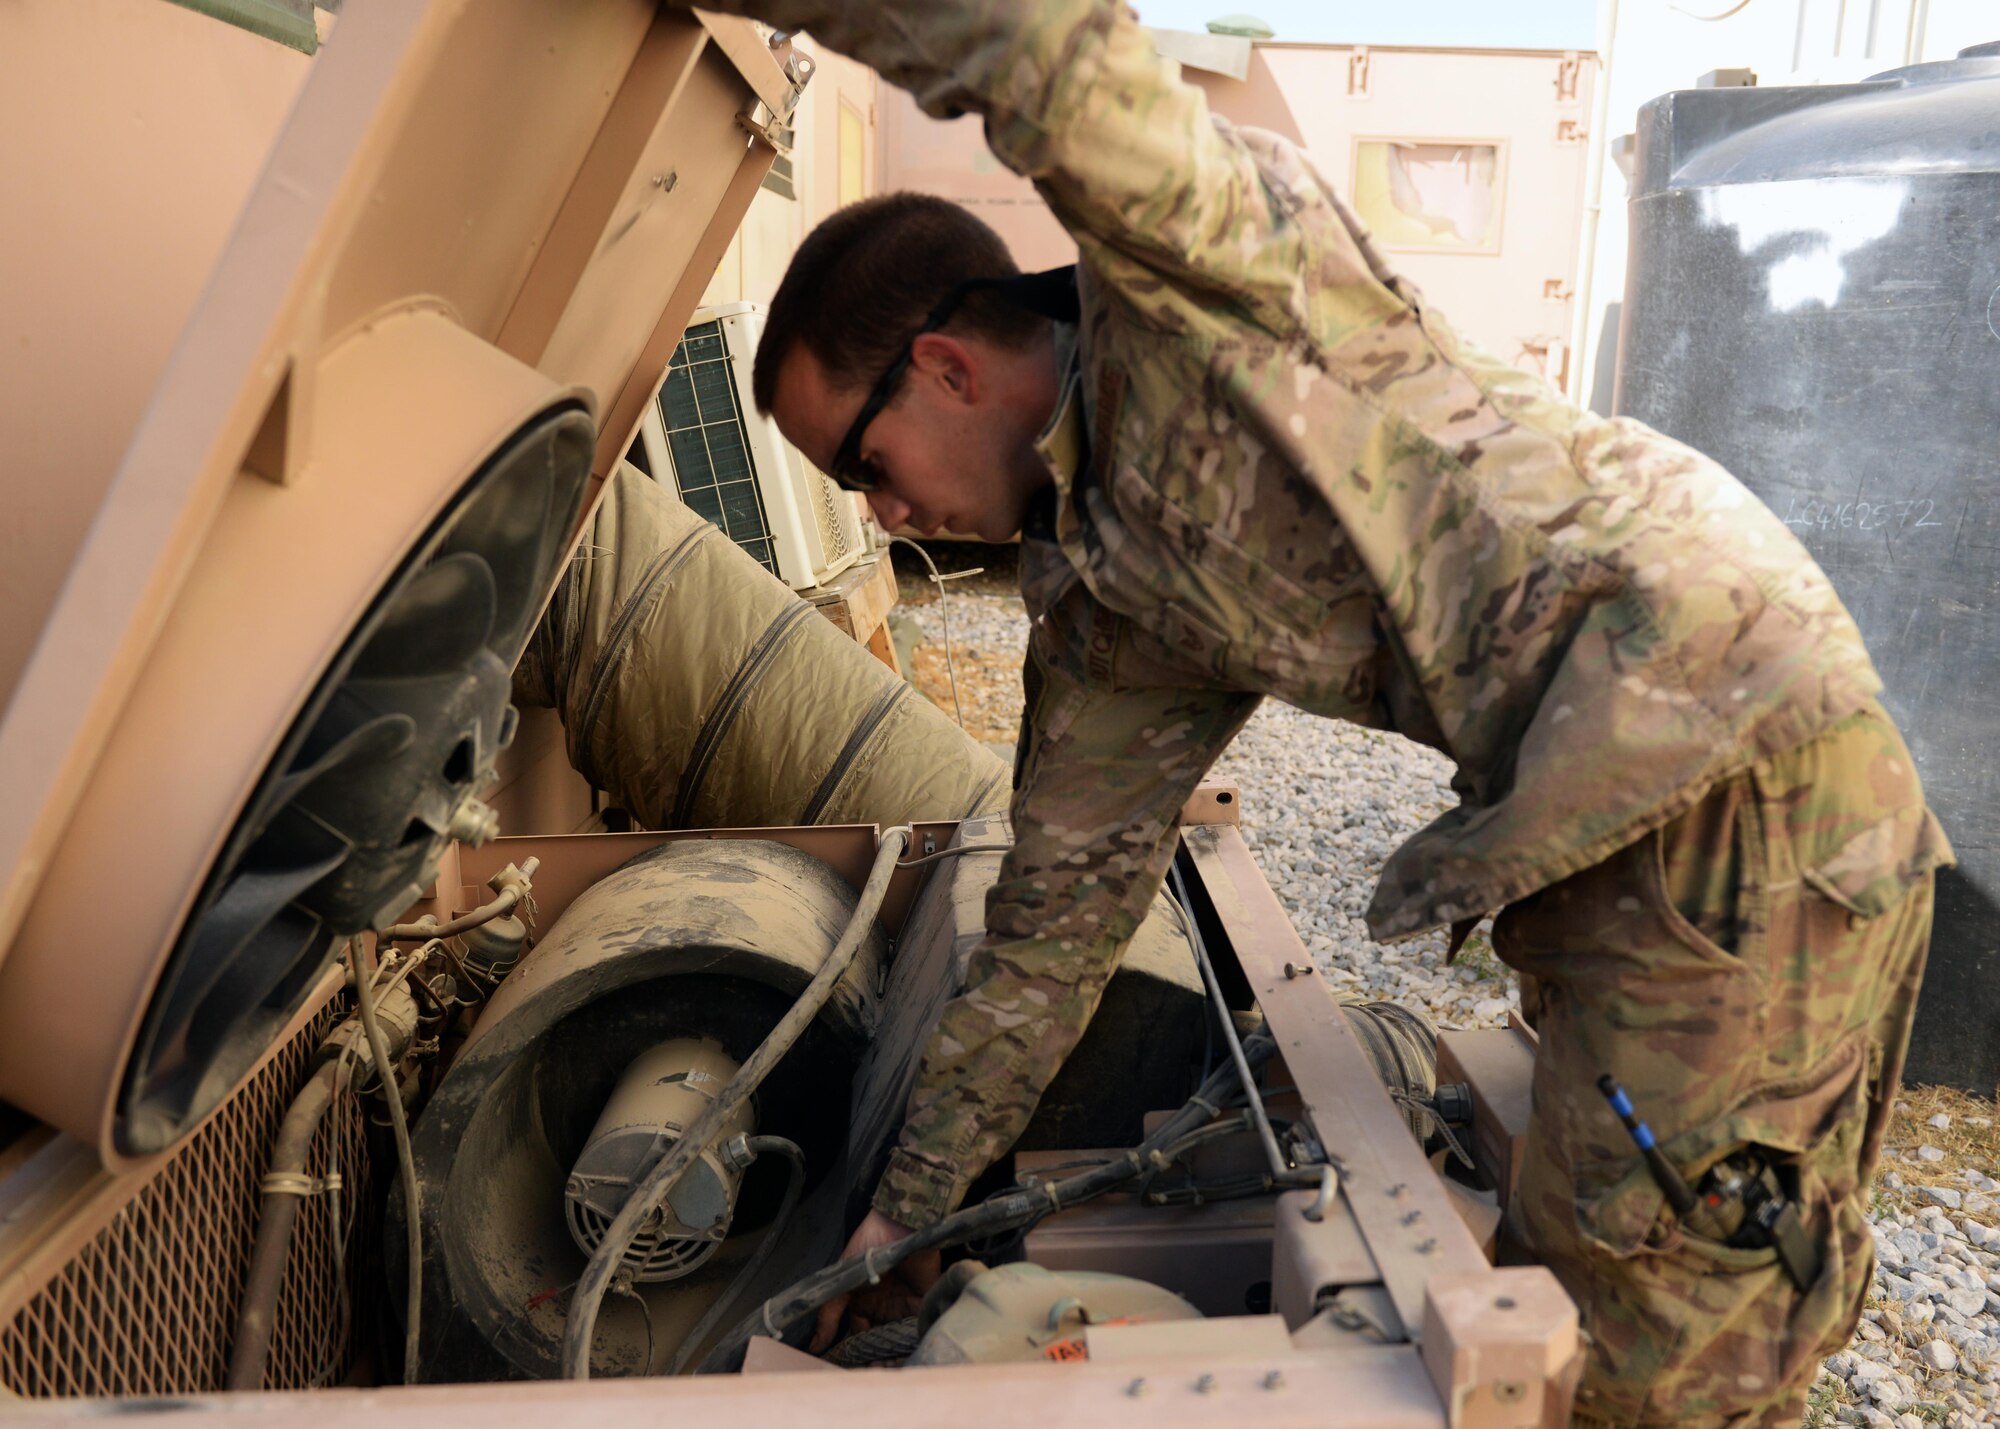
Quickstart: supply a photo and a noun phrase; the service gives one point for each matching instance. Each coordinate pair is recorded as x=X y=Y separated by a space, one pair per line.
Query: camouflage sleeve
x=1106 y=771
x=1075 y=97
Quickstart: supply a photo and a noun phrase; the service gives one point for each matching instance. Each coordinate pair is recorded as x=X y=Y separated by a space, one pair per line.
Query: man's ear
x=949 y=362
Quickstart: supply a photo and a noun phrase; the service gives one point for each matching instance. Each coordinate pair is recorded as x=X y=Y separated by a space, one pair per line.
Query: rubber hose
x=878 y=1345
x=250 y=1348
x=698 y=691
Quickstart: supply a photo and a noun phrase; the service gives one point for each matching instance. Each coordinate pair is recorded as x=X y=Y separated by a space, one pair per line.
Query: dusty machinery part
x=748 y=1151
x=285 y=1183
x=714 y=1120
x=877 y=1347
x=711 y=939
x=759 y=714
x=1020 y=1313
x=379 y=772
x=656 y=1100
x=493 y=949
x=1020 y=1206
x=1403 y=1046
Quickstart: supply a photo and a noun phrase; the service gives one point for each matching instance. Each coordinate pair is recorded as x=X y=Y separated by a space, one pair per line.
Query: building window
x=1441 y=195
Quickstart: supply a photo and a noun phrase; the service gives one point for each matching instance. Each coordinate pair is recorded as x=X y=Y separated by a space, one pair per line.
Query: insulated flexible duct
x=699 y=692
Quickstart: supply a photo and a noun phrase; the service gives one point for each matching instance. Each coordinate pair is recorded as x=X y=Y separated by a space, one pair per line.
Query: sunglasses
x=854 y=472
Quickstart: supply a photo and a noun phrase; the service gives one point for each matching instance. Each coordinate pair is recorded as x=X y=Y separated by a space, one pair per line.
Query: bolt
x=1136 y=1389
x=1425 y=1247
x=1412 y=1218
x=1396 y=1191
x=1293 y=970
x=1205 y=1385
x=1275 y=1379
x=472 y=822
x=668 y=182
x=1505 y=1302
x=1510 y=1391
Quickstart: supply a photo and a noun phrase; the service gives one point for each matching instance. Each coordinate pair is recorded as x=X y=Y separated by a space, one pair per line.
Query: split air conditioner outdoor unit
x=703 y=434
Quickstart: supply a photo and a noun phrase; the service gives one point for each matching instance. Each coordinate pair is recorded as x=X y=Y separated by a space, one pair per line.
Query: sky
x=1493 y=24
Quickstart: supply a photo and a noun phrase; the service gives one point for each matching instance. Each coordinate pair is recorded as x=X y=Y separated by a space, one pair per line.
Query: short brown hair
x=864 y=281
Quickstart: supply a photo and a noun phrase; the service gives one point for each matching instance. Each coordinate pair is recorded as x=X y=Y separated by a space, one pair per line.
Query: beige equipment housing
x=317 y=367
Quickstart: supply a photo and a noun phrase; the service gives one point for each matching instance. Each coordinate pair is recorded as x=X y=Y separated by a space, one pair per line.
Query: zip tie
x=868 y=1264
x=1205 y=1104
x=292 y=1183
x=771 y=1329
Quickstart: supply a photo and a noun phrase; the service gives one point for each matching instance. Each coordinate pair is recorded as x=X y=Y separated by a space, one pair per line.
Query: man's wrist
x=915 y=1192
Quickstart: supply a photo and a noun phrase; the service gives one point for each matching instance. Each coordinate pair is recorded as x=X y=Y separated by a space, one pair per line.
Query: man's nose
x=891 y=511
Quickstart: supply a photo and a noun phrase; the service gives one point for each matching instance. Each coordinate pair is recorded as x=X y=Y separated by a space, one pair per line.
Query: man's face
x=948 y=447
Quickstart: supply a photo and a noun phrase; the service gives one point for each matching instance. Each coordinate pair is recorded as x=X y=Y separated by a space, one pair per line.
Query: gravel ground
x=1323 y=805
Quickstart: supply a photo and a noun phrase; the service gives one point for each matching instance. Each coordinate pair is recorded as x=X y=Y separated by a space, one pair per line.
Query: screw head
x=1275 y=1379
x=1136 y=1389
x=1510 y=1391
x=1205 y=1385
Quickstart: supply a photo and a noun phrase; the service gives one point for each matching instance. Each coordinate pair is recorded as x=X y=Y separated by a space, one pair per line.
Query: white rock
x=1930 y=1153
x=1887 y=1393
x=1940 y=1356
x=1941 y=1196
x=1966 y=1302
x=1940 y=1121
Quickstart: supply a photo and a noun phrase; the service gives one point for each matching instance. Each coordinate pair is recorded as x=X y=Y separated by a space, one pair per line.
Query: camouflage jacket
x=1279 y=472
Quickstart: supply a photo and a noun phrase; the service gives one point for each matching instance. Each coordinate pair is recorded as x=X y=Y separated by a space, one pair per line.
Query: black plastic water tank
x=1813 y=299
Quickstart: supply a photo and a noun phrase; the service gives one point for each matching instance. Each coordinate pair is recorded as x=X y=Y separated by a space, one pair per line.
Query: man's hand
x=900 y=1294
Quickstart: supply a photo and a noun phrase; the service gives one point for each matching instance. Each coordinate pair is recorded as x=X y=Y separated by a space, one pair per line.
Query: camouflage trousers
x=1749 y=972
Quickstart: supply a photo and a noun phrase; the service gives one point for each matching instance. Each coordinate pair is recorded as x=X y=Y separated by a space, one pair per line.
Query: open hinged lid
x=275 y=678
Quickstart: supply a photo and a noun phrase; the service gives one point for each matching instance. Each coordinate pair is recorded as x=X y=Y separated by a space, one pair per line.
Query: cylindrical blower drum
x=1813 y=299
x=698 y=945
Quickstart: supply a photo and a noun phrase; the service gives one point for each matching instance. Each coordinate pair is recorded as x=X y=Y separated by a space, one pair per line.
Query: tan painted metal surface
x=336 y=384
x=1381 y=1388
x=115 y=213
x=1411 y=1228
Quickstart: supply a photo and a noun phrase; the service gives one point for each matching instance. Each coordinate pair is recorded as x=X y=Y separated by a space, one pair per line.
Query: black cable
x=744 y=1278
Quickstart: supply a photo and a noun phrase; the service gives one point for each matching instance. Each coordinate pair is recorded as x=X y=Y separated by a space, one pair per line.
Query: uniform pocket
x=1877 y=868
x=1851 y=808
x=1705 y=874
x=1802 y=1126
x=1692 y=1327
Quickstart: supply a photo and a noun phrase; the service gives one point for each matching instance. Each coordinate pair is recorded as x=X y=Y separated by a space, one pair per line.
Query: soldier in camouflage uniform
x=1259 y=465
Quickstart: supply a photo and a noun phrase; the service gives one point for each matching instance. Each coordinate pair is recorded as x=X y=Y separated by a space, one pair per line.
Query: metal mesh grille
x=148 y=1307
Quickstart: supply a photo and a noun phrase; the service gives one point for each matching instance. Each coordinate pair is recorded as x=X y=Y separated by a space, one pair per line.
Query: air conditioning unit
x=704 y=436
